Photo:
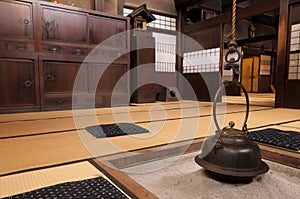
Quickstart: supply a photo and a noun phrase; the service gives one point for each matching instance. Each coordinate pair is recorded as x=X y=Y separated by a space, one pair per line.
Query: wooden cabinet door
x=16 y=19
x=250 y=74
x=103 y=28
x=17 y=83
x=104 y=80
x=64 y=25
x=247 y=73
x=59 y=77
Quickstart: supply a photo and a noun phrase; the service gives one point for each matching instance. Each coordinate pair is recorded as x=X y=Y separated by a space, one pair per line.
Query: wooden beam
x=279 y=155
x=100 y=5
x=258 y=39
x=256 y=9
x=185 y=3
x=293 y=1
x=281 y=64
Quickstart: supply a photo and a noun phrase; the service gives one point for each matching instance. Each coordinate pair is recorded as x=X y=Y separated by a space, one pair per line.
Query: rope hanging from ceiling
x=232 y=63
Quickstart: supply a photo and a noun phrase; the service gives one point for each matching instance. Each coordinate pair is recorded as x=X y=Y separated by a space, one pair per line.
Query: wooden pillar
x=281 y=64
x=180 y=23
x=221 y=66
x=120 y=7
x=99 y=5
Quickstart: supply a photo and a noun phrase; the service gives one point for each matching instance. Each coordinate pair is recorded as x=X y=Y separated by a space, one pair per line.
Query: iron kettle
x=230 y=155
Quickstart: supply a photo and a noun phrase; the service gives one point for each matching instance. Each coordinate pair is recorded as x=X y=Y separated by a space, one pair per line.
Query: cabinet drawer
x=65 y=49
x=17 y=46
x=87 y=100
x=77 y=101
x=58 y=101
x=20 y=46
x=110 y=53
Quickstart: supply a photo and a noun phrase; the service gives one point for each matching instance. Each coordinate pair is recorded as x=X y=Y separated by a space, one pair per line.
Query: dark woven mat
x=276 y=137
x=119 y=129
x=91 y=188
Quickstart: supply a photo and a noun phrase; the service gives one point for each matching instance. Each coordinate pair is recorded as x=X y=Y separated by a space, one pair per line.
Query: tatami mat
x=293 y=125
x=167 y=126
x=99 y=111
x=54 y=140
x=39 y=151
x=28 y=181
x=261 y=99
x=56 y=124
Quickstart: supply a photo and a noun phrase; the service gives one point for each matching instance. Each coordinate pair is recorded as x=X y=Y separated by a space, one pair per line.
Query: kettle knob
x=231 y=124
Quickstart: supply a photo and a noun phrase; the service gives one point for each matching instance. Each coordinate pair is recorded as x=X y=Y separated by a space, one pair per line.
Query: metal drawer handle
x=26 y=21
x=54 y=48
x=78 y=51
x=47 y=24
x=27 y=83
x=59 y=101
x=49 y=77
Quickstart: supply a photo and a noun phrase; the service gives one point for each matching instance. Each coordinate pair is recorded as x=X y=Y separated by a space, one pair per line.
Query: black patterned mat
x=119 y=129
x=276 y=137
x=91 y=188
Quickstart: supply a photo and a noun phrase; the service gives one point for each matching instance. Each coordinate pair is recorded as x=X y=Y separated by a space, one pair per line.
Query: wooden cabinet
x=16 y=19
x=17 y=83
x=59 y=77
x=43 y=46
x=64 y=25
x=112 y=78
x=103 y=28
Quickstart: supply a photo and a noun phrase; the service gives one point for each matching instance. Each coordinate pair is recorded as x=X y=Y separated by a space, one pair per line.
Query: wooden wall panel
x=208 y=38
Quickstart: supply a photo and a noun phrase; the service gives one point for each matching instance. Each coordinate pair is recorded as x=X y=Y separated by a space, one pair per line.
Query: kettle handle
x=215 y=101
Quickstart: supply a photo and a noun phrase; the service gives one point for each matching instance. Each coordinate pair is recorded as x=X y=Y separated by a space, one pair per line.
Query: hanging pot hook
x=244 y=128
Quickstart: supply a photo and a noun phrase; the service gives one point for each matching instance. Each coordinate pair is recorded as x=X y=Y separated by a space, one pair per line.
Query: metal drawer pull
x=49 y=77
x=26 y=21
x=59 y=101
x=21 y=47
x=27 y=83
x=54 y=49
x=47 y=24
x=78 y=51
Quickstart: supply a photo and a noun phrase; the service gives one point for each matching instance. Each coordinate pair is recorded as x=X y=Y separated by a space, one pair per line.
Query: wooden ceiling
x=185 y=3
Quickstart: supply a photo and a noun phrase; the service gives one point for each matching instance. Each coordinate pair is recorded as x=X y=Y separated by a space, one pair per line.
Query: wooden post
x=100 y=5
x=281 y=64
x=120 y=7
x=180 y=23
x=181 y=20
